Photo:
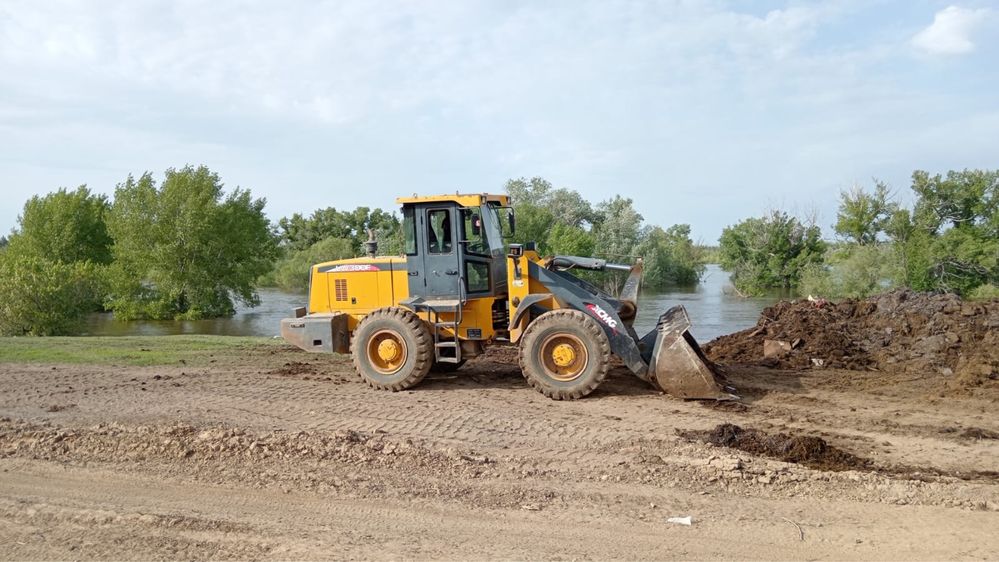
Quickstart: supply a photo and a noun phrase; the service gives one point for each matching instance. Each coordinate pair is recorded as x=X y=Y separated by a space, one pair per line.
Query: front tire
x=564 y=354
x=392 y=349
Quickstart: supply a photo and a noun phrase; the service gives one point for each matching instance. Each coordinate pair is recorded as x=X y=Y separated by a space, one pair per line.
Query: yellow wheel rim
x=564 y=357
x=387 y=352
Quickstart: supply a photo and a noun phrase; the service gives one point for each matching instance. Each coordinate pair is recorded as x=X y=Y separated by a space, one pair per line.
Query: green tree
x=64 y=226
x=534 y=219
x=670 y=256
x=950 y=241
x=298 y=233
x=570 y=208
x=769 y=252
x=911 y=245
x=562 y=222
x=185 y=249
x=618 y=228
x=969 y=198
x=40 y=297
x=963 y=258
x=618 y=231
x=540 y=207
x=852 y=271
x=862 y=215
x=388 y=231
x=570 y=241
x=535 y=191
x=292 y=272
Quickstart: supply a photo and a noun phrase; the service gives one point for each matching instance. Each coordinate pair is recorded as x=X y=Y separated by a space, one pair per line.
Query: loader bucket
x=678 y=365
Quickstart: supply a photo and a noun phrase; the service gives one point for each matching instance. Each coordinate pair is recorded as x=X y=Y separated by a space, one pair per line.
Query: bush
x=984 y=293
x=671 y=258
x=569 y=240
x=39 y=297
x=292 y=272
x=852 y=272
x=769 y=252
x=298 y=233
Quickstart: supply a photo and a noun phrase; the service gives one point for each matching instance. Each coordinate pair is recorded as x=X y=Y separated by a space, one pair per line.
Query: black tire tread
x=592 y=330
x=405 y=320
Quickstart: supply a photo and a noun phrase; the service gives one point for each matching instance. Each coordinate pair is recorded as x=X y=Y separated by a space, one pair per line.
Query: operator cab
x=454 y=245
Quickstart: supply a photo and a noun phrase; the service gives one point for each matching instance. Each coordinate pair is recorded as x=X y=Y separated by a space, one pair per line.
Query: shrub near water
x=292 y=272
x=852 y=272
x=769 y=252
x=39 y=297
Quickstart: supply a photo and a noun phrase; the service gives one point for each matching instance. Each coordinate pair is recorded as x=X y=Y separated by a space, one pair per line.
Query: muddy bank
x=901 y=331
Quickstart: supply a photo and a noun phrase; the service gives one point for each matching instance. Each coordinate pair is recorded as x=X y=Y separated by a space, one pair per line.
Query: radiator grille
x=340 y=289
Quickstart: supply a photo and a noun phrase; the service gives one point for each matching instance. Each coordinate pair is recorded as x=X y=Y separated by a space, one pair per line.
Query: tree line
x=180 y=249
x=559 y=220
x=184 y=248
x=948 y=240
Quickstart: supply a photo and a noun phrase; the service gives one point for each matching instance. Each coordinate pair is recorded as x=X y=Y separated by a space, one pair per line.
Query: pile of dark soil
x=900 y=331
x=810 y=451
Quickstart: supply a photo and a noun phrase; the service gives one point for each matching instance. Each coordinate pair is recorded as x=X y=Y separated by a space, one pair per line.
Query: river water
x=714 y=309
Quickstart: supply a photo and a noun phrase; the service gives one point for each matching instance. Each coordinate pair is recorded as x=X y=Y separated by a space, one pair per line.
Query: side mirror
x=510 y=217
x=476 y=224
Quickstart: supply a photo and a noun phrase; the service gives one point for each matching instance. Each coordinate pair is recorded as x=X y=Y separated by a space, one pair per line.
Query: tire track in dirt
x=474 y=422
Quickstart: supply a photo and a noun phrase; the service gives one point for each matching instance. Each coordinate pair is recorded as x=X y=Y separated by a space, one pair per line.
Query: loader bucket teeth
x=678 y=365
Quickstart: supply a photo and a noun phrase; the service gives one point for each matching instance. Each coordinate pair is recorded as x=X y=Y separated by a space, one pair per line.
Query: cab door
x=441 y=260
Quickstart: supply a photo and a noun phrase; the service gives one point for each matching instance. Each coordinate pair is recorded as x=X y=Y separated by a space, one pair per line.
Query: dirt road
x=273 y=453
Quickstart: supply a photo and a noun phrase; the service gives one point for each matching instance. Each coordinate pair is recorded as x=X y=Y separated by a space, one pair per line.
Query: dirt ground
x=274 y=453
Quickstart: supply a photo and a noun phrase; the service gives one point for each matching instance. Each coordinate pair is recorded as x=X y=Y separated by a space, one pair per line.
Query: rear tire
x=392 y=349
x=564 y=354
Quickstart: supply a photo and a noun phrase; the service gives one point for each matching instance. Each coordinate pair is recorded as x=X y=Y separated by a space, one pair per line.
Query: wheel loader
x=459 y=288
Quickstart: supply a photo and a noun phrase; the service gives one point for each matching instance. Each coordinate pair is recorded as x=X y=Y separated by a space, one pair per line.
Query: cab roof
x=463 y=199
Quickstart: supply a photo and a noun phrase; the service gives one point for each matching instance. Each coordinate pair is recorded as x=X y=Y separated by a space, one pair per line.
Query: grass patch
x=128 y=350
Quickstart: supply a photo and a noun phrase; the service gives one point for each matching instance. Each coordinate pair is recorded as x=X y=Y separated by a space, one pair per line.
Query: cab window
x=477 y=277
x=409 y=230
x=473 y=233
x=439 y=231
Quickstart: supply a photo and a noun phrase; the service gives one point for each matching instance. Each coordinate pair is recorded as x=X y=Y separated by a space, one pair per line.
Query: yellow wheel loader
x=458 y=289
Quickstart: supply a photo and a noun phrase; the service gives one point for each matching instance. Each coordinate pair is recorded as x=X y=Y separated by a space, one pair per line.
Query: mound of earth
x=808 y=450
x=900 y=331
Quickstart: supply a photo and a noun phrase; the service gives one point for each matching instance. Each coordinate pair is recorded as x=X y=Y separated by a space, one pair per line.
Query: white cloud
x=951 y=31
x=350 y=99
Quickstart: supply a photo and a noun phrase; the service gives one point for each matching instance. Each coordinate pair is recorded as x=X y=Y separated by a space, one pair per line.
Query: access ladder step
x=446 y=344
x=446 y=324
x=441 y=305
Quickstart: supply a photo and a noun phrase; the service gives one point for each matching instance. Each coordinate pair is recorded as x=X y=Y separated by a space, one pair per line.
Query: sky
x=703 y=113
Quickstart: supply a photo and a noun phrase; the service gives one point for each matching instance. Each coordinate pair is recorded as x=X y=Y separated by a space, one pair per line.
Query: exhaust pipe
x=371 y=246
